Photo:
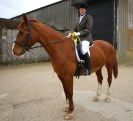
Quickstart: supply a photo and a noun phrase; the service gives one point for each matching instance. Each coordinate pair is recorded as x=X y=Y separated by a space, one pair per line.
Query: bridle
x=28 y=37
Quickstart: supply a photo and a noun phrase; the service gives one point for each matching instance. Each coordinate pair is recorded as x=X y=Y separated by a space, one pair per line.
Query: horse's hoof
x=95 y=99
x=68 y=116
x=107 y=100
x=65 y=109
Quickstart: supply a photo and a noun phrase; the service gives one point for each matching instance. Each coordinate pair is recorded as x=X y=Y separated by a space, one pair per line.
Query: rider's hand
x=77 y=33
x=69 y=35
x=73 y=33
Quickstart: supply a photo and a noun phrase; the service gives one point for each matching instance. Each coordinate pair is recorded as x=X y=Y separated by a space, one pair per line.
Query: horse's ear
x=25 y=18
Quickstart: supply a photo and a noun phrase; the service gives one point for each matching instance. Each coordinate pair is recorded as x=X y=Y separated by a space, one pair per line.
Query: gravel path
x=33 y=92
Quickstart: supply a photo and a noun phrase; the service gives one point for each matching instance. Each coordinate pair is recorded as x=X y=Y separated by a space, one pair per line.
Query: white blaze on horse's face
x=22 y=56
x=17 y=50
x=12 y=48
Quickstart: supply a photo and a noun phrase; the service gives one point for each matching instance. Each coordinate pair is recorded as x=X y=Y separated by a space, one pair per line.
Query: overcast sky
x=11 y=8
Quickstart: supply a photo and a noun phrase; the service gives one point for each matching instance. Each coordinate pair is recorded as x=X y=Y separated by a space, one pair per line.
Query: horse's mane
x=30 y=21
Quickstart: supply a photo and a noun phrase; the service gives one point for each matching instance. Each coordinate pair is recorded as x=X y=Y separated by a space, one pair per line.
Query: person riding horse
x=83 y=29
x=58 y=46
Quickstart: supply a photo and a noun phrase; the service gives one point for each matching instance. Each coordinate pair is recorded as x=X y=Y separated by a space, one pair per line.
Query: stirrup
x=86 y=72
x=89 y=72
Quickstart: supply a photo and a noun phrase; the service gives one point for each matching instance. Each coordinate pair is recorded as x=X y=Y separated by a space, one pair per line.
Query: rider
x=83 y=30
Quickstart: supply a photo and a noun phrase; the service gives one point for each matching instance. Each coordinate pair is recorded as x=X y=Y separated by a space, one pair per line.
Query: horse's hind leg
x=99 y=78
x=109 y=70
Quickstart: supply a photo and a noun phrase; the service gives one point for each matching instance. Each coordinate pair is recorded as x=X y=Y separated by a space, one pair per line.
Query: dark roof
x=8 y=23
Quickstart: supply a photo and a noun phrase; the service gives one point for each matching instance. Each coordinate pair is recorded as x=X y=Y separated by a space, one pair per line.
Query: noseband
x=28 y=38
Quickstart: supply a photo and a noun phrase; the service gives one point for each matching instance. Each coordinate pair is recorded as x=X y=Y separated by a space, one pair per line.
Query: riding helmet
x=83 y=5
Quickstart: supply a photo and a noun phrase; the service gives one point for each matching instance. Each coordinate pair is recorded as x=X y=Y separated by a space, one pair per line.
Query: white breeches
x=85 y=47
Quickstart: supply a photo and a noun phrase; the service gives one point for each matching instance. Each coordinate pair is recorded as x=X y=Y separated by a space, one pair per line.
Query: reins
x=27 y=48
x=55 y=42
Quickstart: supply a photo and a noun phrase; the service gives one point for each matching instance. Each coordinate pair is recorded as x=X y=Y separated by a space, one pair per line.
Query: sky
x=12 y=8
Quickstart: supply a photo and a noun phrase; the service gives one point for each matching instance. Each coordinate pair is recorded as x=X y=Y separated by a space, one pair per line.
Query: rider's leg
x=87 y=63
x=85 y=49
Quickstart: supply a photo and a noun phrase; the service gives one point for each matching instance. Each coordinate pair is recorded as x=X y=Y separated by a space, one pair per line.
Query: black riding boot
x=87 y=64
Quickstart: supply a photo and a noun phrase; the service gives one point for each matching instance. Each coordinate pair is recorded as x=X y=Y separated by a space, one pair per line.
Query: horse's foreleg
x=69 y=91
x=99 y=78
x=67 y=101
x=66 y=106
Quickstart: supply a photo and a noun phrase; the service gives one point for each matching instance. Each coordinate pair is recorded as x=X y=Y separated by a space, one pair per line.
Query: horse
x=63 y=57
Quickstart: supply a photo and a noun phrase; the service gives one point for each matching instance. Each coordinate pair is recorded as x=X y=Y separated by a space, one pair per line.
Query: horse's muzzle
x=17 y=50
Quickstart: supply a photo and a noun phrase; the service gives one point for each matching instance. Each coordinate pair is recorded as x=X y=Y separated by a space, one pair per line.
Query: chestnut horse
x=63 y=56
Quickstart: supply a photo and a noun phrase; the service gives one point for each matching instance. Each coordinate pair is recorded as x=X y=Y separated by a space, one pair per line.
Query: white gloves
x=69 y=35
x=77 y=33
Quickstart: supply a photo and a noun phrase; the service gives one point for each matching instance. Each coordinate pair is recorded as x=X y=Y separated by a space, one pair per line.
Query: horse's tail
x=115 y=69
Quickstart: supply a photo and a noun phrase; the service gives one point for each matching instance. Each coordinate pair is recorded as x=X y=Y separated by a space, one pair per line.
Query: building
x=125 y=31
x=8 y=32
x=112 y=22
